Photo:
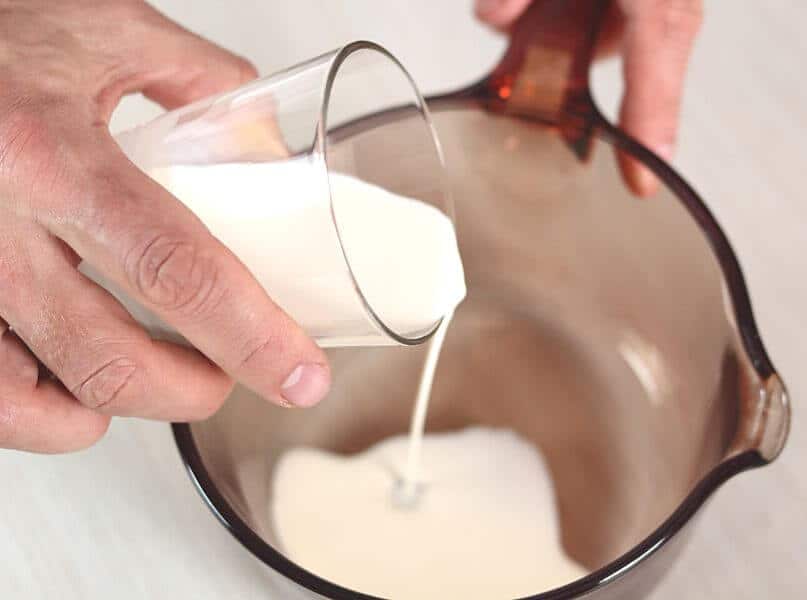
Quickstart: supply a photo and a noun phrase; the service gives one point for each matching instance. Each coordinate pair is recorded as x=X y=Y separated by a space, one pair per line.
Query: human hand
x=68 y=193
x=655 y=39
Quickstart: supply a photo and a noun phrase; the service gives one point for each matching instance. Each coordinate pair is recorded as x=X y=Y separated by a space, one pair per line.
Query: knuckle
x=102 y=203
x=255 y=350
x=27 y=146
x=19 y=127
x=107 y=384
x=176 y=276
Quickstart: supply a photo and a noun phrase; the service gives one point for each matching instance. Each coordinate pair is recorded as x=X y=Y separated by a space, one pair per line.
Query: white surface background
x=122 y=520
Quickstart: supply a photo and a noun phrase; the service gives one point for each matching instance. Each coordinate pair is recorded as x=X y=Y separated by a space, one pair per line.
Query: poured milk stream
x=468 y=514
x=406 y=494
x=484 y=527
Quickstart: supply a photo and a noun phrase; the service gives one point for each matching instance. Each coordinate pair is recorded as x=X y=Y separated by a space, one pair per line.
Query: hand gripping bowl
x=615 y=333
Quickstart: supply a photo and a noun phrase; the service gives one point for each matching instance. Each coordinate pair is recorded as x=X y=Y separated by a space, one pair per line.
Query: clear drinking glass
x=265 y=168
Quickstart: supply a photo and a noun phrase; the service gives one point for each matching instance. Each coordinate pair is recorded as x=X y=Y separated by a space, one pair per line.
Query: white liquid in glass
x=277 y=218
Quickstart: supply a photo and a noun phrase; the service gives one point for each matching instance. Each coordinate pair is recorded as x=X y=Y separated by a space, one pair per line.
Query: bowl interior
x=596 y=326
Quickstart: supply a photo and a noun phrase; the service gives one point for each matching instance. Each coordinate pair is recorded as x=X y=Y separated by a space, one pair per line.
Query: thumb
x=658 y=42
x=192 y=67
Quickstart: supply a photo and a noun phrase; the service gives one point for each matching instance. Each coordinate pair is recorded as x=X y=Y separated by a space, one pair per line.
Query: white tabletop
x=122 y=520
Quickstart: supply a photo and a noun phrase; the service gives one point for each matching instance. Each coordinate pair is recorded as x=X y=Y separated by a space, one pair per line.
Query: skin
x=70 y=356
x=68 y=193
x=654 y=39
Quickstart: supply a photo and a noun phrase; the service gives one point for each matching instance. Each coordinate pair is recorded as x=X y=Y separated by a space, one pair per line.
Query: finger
x=200 y=68
x=191 y=66
x=249 y=134
x=500 y=14
x=39 y=416
x=658 y=42
x=47 y=419
x=94 y=347
x=144 y=240
x=167 y=63
x=18 y=367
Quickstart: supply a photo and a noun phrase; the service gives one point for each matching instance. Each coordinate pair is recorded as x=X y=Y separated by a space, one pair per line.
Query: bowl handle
x=544 y=73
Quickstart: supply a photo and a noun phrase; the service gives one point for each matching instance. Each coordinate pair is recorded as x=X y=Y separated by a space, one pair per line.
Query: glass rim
x=320 y=149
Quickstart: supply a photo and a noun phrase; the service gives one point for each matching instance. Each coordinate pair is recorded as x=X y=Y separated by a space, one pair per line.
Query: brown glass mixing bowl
x=614 y=333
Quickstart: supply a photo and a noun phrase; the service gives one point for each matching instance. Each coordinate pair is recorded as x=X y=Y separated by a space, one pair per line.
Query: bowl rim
x=618 y=568
x=602 y=577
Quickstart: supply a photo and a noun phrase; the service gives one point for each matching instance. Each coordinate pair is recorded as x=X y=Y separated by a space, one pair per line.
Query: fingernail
x=306 y=385
x=486 y=6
